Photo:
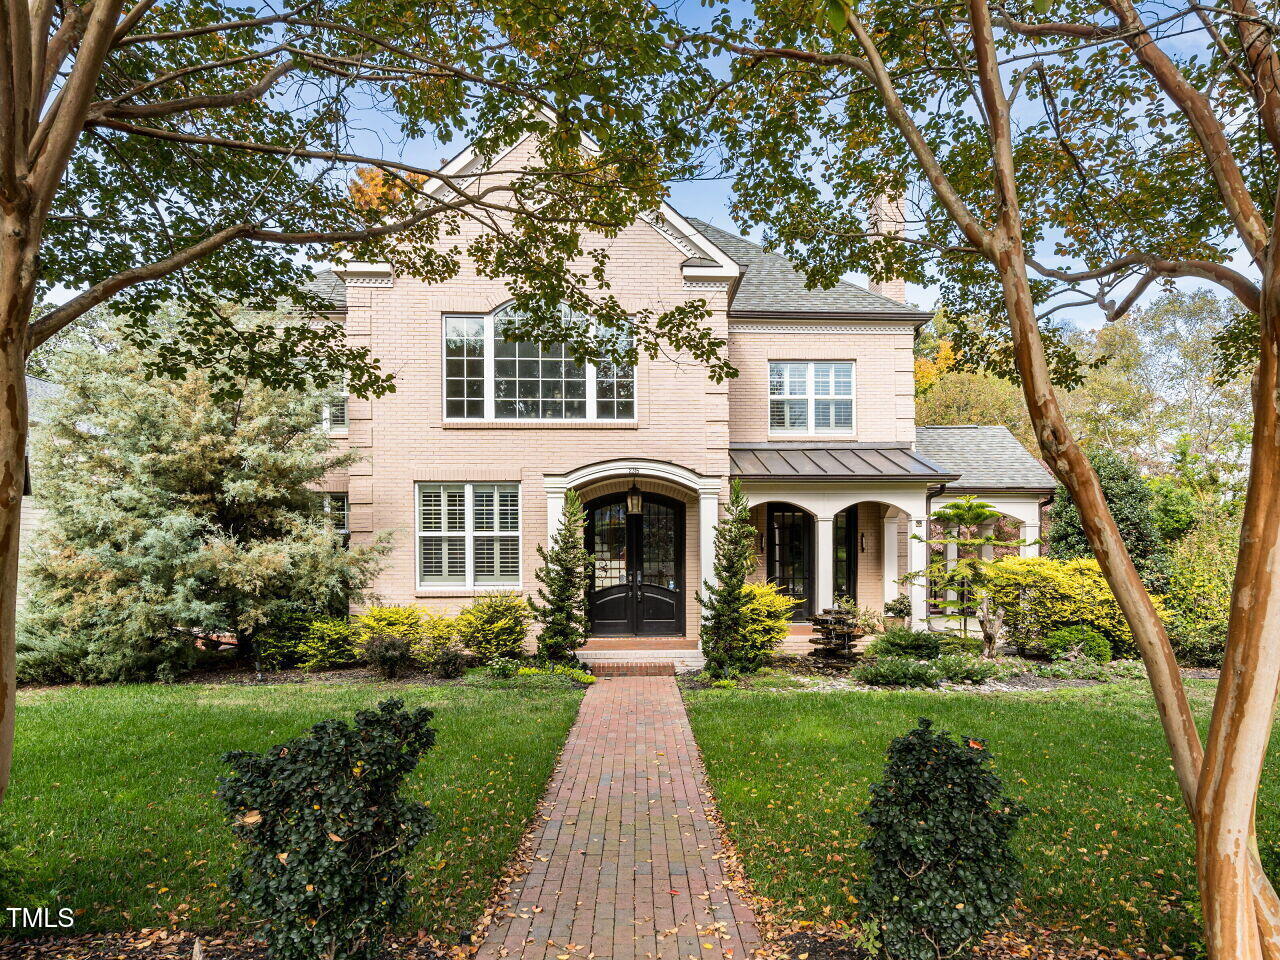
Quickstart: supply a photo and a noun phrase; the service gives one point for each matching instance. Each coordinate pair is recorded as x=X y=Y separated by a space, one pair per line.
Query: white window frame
x=469 y=534
x=329 y=498
x=811 y=430
x=337 y=397
x=490 y=388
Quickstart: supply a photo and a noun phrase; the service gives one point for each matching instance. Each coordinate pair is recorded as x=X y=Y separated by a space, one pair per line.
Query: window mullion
x=591 y=391
x=809 y=387
x=468 y=535
x=487 y=358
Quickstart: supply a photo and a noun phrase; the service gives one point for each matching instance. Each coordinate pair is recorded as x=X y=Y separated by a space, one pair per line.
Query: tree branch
x=1232 y=186
x=167 y=108
x=1236 y=283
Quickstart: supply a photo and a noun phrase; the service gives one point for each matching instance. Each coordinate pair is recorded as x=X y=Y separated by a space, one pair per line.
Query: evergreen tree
x=723 y=602
x=172 y=516
x=561 y=603
x=1130 y=500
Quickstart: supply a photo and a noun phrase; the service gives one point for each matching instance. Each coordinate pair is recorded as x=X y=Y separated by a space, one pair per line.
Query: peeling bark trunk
x=1245 y=704
x=17 y=292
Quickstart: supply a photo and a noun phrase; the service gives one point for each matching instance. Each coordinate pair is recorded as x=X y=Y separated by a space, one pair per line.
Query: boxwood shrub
x=904 y=642
x=324 y=830
x=942 y=871
x=897 y=672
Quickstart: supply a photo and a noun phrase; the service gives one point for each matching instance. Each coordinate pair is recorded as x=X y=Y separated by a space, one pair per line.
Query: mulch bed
x=1029 y=944
x=163 y=944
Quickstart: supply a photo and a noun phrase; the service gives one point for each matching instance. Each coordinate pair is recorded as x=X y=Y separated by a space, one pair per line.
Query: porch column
x=890 y=574
x=916 y=561
x=988 y=549
x=825 y=554
x=708 y=514
x=1030 y=533
x=555 y=509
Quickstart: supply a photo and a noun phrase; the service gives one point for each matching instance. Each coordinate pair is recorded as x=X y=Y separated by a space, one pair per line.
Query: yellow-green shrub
x=766 y=616
x=495 y=625
x=438 y=633
x=1040 y=595
x=386 y=637
x=1202 y=568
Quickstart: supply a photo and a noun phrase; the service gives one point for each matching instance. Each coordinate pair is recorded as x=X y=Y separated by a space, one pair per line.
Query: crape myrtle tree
x=1049 y=156
x=198 y=153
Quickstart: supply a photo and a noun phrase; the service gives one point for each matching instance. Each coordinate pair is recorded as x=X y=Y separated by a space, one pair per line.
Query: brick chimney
x=887 y=217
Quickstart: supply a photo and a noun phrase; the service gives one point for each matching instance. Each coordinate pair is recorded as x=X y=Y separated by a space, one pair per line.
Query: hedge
x=1040 y=595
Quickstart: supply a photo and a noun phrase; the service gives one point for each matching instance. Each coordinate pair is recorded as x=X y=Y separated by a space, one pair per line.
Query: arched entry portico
x=651 y=533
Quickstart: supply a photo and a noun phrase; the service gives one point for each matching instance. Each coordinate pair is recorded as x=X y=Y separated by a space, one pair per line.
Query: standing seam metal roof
x=824 y=461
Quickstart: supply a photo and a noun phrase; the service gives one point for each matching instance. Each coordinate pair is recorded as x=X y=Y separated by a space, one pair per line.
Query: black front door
x=637 y=567
x=789 y=555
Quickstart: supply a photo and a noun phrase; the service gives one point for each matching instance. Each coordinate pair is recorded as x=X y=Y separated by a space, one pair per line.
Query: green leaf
x=838 y=14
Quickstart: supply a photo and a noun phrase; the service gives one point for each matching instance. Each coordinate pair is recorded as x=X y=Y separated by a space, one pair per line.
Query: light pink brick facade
x=683 y=418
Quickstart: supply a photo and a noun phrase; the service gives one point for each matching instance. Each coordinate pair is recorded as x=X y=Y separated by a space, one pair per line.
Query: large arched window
x=488 y=377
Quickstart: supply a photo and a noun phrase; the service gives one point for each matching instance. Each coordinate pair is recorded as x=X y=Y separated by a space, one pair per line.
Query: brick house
x=468 y=462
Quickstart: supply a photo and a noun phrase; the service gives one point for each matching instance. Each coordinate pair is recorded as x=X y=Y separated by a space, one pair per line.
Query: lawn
x=1107 y=845
x=112 y=796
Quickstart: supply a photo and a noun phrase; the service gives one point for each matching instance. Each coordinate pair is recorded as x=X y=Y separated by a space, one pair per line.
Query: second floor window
x=811 y=397
x=487 y=377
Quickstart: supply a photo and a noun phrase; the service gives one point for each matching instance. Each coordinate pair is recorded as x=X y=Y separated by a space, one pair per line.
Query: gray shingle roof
x=328 y=286
x=770 y=285
x=832 y=461
x=987 y=458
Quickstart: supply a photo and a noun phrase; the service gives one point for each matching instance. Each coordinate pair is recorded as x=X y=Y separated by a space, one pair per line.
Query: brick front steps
x=641 y=669
x=641 y=656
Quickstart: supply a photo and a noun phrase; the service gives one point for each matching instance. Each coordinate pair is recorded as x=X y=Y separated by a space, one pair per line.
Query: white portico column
x=1030 y=533
x=825 y=560
x=890 y=568
x=708 y=514
x=555 y=509
x=916 y=562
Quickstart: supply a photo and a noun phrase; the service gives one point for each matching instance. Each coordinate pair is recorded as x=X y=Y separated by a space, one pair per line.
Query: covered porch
x=840 y=520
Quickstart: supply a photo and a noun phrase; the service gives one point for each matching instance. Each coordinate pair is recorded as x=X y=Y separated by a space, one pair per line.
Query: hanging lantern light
x=635 y=499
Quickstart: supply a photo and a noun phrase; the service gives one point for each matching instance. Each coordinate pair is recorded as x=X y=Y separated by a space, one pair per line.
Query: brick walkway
x=624 y=865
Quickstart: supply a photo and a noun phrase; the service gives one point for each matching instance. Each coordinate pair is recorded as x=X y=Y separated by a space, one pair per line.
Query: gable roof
x=771 y=286
x=987 y=458
x=328 y=286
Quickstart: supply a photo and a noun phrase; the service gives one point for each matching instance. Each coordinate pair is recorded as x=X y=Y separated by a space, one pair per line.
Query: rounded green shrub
x=323 y=831
x=504 y=668
x=495 y=625
x=905 y=642
x=961 y=668
x=942 y=869
x=897 y=672
x=1077 y=642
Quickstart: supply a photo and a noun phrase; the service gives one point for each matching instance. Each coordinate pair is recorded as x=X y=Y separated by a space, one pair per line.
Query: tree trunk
x=1245 y=704
x=17 y=292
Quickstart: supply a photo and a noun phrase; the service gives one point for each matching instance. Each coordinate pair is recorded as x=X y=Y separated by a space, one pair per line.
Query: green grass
x=1107 y=845
x=112 y=796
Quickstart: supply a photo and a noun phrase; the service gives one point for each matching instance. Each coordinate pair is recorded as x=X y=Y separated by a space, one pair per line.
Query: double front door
x=637 y=581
